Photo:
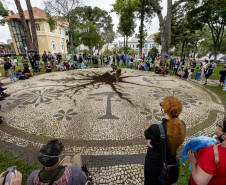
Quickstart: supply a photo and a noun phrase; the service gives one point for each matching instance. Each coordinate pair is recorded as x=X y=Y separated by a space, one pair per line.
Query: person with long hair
x=174 y=128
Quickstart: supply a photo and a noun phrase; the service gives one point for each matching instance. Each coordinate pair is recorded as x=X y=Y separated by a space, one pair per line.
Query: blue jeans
x=127 y=63
x=11 y=72
x=197 y=75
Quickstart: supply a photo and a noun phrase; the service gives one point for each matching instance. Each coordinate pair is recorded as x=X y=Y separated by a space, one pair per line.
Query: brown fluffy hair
x=175 y=128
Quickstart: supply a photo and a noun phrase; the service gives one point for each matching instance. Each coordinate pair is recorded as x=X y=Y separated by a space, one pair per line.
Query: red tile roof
x=153 y=35
x=38 y=14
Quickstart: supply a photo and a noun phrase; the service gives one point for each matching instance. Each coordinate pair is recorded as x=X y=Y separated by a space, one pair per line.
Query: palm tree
x=25 y=26
x=33 y=27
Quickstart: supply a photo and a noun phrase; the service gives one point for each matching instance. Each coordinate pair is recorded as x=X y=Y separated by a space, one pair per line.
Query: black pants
x=151 y=173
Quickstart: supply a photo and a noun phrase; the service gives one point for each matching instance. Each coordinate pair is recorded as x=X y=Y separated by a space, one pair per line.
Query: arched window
x=62 y=46
x=54 y=46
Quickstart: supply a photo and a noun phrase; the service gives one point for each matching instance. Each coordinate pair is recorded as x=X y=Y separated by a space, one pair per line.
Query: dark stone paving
x=112 y=160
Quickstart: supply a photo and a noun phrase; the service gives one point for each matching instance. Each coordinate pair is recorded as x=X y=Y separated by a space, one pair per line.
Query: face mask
x=220 y=139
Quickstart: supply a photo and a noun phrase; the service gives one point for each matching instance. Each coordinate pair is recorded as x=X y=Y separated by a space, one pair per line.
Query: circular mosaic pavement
x=95 y=115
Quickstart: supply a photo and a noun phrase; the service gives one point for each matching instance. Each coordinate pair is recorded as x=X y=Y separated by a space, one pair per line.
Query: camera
x=8 y=176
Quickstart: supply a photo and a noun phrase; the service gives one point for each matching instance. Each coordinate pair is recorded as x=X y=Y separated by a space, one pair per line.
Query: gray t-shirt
x=78 y=177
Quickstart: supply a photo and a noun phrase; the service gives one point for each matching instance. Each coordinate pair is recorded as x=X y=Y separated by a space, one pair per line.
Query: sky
x=102 y=4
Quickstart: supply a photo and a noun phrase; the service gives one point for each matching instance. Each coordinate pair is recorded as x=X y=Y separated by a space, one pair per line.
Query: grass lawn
x=8 y=161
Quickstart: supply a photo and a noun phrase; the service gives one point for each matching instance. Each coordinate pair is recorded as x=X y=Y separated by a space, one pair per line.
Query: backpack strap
x=55 y=176
x=163 y=143
x=216 y=154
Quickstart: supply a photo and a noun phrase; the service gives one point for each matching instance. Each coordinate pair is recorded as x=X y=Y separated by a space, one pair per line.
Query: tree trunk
x=182 y=50
x=33 y=27
x=163 y=42
x=124 y=44
x=168 y=24
x=26 y=29
x=141 y=28
x=71 y=42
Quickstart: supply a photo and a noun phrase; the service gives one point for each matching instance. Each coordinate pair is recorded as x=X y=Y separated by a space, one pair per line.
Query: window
x=54 y=45
x=62 y=46
x=137 y=46
x=37 y=27
x=146 y=46
x=60 y=30
x=150 y=46
x=133 y=46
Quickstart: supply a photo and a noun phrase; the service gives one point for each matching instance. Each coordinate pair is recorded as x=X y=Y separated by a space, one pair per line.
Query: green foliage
x=126 y=11
x=85 y=51
x=7 y=161
x=154 y=51
x=3 y=11
x=93 y=26
x=107 y=52
x=132 y=52
x=51 y=21
x=213 y=14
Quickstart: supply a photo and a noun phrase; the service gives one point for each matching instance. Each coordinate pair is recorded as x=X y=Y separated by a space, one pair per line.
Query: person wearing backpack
x=210 y=165
x=174 y=132
x=53 y=172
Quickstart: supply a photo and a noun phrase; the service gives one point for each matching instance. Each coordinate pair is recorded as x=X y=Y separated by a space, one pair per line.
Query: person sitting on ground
x=210 y=166
x=19 y=74
x=164 y=69
x=76 y=65
x=181 y=73
x=71 y=66
x=66 y=65
x=27 y=73
x=36 y=68
x=223 y=76
x=83 y=65
x=53 y=172
x=48 y=68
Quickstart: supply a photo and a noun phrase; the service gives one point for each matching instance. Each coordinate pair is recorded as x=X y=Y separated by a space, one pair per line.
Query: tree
x=33 y=27
x=26 y=29
x=3 y=11
x=144 y=13
x=165 y=22
x=63 y=9
x=213 y=14
x=125 y=9
x=90 y=37
x=132 y=52
x=93 y=17
x=153 y=52
x=182 y=38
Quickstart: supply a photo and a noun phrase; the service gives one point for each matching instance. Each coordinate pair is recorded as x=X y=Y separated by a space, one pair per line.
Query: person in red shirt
x=210 y=167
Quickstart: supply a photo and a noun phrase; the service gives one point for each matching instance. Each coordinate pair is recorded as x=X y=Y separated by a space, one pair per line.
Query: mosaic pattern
x=102 y=119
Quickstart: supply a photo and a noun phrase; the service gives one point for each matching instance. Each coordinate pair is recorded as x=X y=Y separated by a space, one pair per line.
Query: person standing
x=127 y=61
x=37 y=60
x=208 y=72
x=204 y=66
x=31 y=59
x=198 y=72
x=45 y=58
x=24 y=61
x=174 y=128
x=118 y=59
x=51 y=59
x=223 y=75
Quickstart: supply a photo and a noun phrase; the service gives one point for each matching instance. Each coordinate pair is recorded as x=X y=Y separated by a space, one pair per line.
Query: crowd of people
x=180 y=68
x=161 y=166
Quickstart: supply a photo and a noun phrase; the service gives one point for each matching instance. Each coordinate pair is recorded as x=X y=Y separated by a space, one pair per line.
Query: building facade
x=148 y=45
x=48 y=40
